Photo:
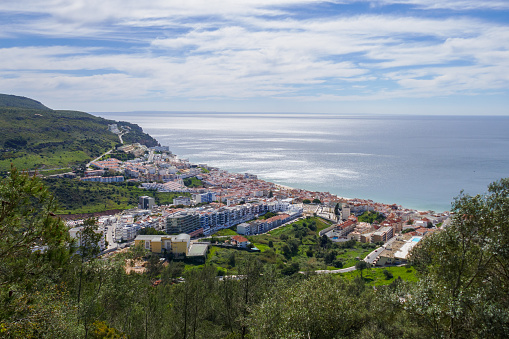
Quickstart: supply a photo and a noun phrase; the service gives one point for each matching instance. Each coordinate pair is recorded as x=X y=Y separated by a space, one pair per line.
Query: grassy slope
x=7 y=100
x=221 y=257
x=50 y=138
x=87 y=197
x=279 y=237
x=34 y=136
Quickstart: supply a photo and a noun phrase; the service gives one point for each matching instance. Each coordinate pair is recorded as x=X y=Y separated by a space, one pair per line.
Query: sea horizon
x=418 y=161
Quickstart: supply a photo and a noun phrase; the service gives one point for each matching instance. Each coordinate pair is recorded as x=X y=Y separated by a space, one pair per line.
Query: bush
x=338 y=263
x=388 y=275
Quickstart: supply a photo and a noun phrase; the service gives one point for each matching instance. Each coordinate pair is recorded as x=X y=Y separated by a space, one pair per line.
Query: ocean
x=419 y=162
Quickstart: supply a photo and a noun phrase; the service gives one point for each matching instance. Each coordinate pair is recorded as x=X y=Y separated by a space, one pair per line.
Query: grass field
x=57 y=159
x=352 y=255
x=375 y=276
x=226 y=232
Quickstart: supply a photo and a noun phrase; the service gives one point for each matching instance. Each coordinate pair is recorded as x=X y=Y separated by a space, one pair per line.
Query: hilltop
x=7 y=100
x=35 y=136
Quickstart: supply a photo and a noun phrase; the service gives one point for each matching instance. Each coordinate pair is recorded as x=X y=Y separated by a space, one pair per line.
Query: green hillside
x=7 y=100
x=44 y=138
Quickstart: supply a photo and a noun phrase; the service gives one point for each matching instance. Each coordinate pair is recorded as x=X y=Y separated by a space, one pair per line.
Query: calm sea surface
x=420 y=162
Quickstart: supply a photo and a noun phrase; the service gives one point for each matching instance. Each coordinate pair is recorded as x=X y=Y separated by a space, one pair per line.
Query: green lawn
x=349 y=256
x=375 y=276
x=225 y=231
x=193 y=182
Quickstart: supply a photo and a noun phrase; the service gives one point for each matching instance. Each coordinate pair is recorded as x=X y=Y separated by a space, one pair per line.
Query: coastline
x=364 y=157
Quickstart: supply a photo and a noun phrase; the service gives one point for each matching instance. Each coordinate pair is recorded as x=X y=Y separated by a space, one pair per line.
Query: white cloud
x=237 y=50
x=460 y=5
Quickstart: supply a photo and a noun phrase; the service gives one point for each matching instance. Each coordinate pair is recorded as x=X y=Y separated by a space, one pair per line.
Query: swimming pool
x=415 y=239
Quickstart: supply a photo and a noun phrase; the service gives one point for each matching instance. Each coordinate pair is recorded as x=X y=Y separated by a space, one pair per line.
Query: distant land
x=33 y=136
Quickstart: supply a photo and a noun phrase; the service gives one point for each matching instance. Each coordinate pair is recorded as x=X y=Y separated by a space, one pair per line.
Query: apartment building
x=178 y=245
x=382 y=234
x=182 y=222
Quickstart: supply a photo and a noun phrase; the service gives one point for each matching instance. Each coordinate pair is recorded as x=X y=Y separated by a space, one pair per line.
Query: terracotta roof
x=239 y=238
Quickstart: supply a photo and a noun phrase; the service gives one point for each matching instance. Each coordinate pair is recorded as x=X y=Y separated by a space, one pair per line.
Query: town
x=218 y=200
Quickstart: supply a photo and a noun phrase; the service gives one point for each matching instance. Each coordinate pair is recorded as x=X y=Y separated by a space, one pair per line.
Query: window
x=147 y=244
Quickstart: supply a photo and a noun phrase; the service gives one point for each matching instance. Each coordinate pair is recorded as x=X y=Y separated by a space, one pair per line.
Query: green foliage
x=306 y=201
x=225 y=232
x=20 y=102
x=74 y=196
x=337 y=209
x=89 y=238
x=361 y=265
x=323 y=309
x=371 y=217
x=101 y=330
x=193 y=182
x=151 y=231
x=122 y=156
x=33 y=255
x=388 y=275
x=267 y=215
x=32 y=240
x=464 y=269
x=316 y=201
x=36 y=138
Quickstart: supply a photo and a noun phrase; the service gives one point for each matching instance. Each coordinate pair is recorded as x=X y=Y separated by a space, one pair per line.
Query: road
x=342 y=270
x=110 y=238
x=99 y=157
x=151 y=156
x=373 y=255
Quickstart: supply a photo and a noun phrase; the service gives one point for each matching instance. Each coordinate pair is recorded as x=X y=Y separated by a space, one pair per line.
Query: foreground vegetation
x=458 y=287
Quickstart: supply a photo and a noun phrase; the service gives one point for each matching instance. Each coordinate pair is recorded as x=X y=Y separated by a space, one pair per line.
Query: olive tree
x=464 y=289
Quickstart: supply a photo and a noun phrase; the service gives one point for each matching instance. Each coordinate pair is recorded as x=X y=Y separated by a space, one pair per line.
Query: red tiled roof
x=239 y=238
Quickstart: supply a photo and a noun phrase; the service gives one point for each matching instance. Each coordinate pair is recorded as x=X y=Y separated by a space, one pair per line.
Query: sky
x=338 y=56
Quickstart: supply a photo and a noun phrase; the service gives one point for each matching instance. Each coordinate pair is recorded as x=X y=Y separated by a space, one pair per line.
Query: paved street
x=110 y=237
x=373 y=255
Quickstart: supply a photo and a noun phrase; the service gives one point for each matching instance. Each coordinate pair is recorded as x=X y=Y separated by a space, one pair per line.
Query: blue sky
x=344 y=56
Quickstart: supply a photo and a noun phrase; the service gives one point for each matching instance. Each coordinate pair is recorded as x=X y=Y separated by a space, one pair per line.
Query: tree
x=316 y=201
x=361 y=265
x=325 y=241
x=154 y=265
x=337 y=209
x=388 y=275
x=33 y=259
x=32 y=239
x=317 y=307
x=306 y=201
x=330 y=256
x=466 y=269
